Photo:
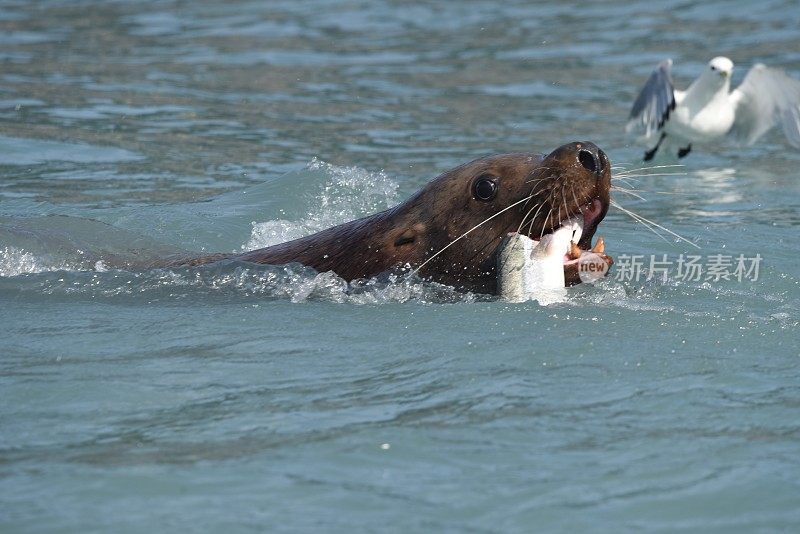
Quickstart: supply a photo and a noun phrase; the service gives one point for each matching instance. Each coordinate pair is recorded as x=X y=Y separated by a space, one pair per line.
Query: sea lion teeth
x=599 y=246
x=574 y=251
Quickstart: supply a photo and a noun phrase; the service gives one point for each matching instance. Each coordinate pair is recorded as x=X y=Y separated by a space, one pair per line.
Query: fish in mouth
x=540 y=264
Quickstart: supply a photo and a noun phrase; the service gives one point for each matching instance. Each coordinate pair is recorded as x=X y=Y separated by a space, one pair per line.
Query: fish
x=530 y=269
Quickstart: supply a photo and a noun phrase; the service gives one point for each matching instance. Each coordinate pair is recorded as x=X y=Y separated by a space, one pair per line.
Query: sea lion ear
x=409 y=235
x=405 y=238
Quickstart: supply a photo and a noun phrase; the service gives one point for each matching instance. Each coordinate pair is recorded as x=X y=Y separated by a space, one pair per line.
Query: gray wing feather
x=791 y=125
x=766 y=97
x=655 y=102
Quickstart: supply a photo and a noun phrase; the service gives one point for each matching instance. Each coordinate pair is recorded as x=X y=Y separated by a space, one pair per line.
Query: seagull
x=709 y=110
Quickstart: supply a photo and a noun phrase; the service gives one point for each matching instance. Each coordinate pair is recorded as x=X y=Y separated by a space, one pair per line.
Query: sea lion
x=449 y=231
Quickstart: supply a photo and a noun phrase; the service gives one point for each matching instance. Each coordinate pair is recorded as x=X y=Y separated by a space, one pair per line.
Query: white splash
x=14 y=262
x=349 y=193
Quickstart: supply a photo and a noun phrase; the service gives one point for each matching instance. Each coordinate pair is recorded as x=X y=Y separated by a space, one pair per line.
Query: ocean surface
x=244 y=398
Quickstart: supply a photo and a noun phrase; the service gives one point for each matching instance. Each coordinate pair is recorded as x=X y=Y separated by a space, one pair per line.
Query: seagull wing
x=655 y=102
x=765 y=97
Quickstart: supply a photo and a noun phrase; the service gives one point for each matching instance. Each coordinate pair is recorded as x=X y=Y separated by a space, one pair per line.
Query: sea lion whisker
x=525 y=217
x=524 y=220
x=549 y=214
x=535 y=191
x=648 y=222
x=655 y=166
x=628 y=192
x=533 y=220
x=575 y=198
x=530 y=226
x=538 y=188
x=564 y=199
x=529 y=233
x=626 y=182
x=665 y=192
x=467 y=233
x=628 y=171
x=546 y=219
x=532 y=193
x=541 y=178
x=633 y=189
x=558 y=217
x=616 y=187
x=548 y=201
x=626 y=187
x=623 y=176
x=522 y=209
x=648 y=226
x=626 y=179
x=536 y=179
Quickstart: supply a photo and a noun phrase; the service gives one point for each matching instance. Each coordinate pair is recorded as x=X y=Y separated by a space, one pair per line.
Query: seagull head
x=721 y=66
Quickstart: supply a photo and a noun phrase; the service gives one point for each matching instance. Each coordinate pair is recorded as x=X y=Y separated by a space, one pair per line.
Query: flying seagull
x=709 y=110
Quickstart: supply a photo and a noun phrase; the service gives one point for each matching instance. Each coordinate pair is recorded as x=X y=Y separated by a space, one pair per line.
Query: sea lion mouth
x=572 y=237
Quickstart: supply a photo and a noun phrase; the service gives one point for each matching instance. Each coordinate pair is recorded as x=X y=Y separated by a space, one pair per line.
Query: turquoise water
x=254 y=398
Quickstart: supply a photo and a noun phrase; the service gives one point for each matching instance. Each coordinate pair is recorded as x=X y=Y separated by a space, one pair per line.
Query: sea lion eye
x=485 y=188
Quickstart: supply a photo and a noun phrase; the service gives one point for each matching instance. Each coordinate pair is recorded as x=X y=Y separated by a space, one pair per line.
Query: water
x=242 y=398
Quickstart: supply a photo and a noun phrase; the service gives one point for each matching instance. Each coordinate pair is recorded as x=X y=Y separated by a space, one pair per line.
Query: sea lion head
x=450 y=230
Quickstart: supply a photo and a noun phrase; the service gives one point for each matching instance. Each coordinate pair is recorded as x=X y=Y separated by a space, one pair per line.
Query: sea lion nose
x=592 y=158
